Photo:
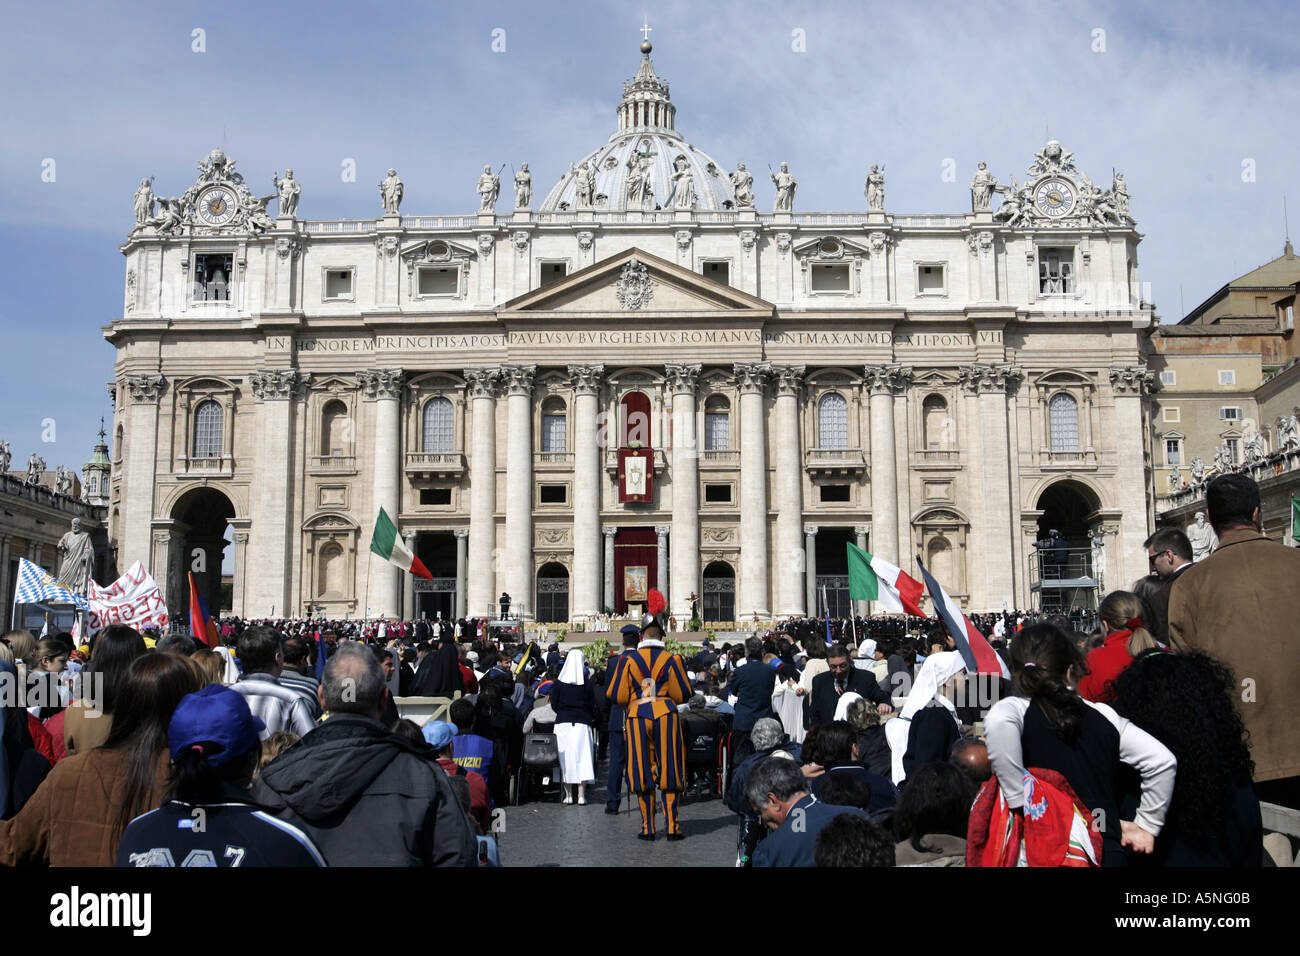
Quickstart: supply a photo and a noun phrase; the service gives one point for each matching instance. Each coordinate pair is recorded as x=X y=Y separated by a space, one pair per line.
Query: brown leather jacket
x=69 y=820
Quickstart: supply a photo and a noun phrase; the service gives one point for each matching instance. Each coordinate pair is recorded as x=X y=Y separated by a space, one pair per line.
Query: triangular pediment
x=649 y=285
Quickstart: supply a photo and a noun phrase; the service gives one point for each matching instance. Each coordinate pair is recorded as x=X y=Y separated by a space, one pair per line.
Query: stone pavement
x=543 y=832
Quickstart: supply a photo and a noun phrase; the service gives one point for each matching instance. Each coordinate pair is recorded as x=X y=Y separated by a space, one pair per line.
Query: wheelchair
x=708 y=751
x=540 y=759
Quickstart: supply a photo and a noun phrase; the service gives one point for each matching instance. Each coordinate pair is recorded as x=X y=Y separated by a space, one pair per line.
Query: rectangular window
x=553 y=433
x=439 y=280
x=212 y=277
x=834 y=493
x=1172 y=415
x=1288 y=317
x=1234 y=450
x=1055 y=271
x=435 y=496
x=717 y=494
x=930 y=280
x=553 y=272
x=338 y=283
x=1173 y=451
x=553 y=494
x=718 y=272
x=830 y=278
x=1168 y=377
x=1230 y=413
x=1227 y=376
x=717 y=431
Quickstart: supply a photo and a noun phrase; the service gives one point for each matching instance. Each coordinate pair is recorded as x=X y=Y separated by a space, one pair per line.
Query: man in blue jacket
x=778 y=792
x=751 y=686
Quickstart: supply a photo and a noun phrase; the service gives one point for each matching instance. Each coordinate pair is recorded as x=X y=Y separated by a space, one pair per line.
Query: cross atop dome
x=645 y=97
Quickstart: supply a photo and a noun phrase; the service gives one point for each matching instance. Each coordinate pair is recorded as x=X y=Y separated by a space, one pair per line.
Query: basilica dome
x=646 y=164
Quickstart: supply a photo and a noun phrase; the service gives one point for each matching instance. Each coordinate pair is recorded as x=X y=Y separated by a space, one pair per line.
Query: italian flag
x=875 y=579
x=386 y=543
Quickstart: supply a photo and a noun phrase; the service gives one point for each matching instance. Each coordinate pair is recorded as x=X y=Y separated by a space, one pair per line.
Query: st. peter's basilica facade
x=641 y=382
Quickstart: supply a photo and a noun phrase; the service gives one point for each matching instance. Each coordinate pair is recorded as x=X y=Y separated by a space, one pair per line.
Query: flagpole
x=365 y=611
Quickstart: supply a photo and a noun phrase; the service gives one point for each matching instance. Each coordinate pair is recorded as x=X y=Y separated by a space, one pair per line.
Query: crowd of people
x=865 y=742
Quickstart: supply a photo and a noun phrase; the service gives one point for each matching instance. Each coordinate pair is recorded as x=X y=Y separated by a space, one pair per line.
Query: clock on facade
x=216 y=206
x=1054 y=198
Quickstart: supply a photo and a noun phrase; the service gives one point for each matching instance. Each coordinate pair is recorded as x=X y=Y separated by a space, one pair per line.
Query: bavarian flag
x=386 y=543
x=875 y=579
x=201 y=626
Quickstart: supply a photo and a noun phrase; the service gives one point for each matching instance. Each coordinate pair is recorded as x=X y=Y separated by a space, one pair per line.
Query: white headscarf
x=574 y=670
x=842 y=708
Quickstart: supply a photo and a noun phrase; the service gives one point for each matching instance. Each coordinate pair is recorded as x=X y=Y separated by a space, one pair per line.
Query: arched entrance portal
x=196 y=543
x=552 y=594
x=1062 y=572
x=719 y=593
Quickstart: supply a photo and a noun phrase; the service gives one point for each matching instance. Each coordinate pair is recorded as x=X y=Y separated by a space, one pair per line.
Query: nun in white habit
x=574 y=702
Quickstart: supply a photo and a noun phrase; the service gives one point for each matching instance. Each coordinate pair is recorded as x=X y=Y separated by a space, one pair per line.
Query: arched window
x=1063 y=416
x=92 y=484
x=554 y=422
x=207 y=430
x=717 y=424
x=937 y=424
x=833 y=421
x=333 y=428
x=438 y=434
x=634 y=419
x=329 y=571
x=119 y=442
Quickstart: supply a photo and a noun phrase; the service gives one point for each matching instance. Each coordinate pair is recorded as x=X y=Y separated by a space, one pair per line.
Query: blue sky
x=1176 y=95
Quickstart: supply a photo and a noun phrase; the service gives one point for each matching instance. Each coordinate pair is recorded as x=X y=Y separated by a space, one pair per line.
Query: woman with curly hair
x=1186 y=702
x=1047 y=724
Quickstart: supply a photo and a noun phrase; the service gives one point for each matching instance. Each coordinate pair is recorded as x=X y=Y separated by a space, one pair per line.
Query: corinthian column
x=788 y=573
x=991 y=384
x=519 y=487
x=685 y=570
x=384 y=388
x=752 y=596
x=882 y=381
x=276 y=392
x=585 y=381
x=1130 y=383
x=462 y=551
x=481 y=586
x=608 y=534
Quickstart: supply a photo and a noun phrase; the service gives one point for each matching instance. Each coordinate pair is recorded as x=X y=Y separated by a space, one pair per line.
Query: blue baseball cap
x=438 y=733
x=630 y=629
x=218 y=720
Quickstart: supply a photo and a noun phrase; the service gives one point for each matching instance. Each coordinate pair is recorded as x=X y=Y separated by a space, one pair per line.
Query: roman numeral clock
x=1054 y=198
x=216 y=206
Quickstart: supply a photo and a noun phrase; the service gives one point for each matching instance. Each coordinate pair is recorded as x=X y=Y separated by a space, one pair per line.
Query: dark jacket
x=752 y=685
x=735 y=798
x=368 y=797
x=824 y=699
x=791 y=844
x=573 y=704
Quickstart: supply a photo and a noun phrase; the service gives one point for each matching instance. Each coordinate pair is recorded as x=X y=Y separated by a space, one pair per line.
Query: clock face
x=216 y=206
x=1054 y=198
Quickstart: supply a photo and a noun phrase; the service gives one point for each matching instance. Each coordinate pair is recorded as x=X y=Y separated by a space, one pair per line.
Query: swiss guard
x=651 y=683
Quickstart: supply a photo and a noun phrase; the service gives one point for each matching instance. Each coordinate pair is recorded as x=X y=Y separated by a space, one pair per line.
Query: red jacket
x=480 y=804
x=1105 y=664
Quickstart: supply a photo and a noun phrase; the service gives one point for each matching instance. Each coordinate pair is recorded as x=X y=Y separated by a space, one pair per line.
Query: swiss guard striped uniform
x=650 y=683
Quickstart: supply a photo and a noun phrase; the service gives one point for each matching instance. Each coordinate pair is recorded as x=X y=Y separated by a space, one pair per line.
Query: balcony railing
x=835 y=461
x=333 y=464
x=1068 y=459
x=722 y=457
x=611 y=461
x=223 y=466
x=936 y=457
x=1062 y=568
x=553 y=459
x=434 y=465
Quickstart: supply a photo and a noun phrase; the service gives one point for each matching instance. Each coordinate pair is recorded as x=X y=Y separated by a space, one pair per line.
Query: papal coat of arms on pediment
x=635 y=287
